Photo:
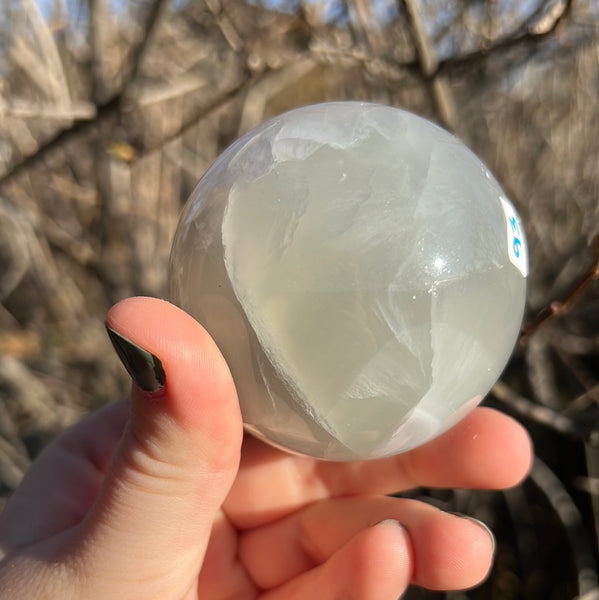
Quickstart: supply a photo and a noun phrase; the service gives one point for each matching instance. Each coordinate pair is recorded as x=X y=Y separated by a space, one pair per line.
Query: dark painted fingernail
x=480 y=524
x=145 y=368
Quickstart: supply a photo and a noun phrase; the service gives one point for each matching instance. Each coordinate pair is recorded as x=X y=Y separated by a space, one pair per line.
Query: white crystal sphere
x=362 y=272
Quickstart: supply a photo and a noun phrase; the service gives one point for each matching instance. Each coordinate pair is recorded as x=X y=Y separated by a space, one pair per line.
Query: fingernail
x=145 y=368
x=480 y=524
x=384 y=521
x=393 y=522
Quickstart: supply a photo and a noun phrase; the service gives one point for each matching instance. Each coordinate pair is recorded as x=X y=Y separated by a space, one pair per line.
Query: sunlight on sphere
x=361 y=271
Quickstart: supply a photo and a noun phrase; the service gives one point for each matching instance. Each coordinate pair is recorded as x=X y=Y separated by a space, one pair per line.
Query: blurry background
x=110 y=111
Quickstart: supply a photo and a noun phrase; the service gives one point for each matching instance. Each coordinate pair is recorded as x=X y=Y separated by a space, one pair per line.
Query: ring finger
x=449 y=551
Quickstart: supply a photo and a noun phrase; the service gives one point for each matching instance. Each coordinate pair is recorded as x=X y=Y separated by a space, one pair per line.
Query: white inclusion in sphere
x=361 y=271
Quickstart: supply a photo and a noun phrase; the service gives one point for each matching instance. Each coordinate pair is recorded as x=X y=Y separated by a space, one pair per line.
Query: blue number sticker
x=516 y=242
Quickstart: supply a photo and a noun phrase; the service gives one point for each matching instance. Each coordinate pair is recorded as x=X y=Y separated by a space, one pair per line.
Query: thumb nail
x=144 y=367
x=480 y=524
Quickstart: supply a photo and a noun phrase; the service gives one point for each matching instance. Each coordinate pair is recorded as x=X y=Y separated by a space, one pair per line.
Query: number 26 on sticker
x=516 y=241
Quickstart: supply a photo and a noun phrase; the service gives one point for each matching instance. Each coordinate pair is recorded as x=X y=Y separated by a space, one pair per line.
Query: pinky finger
x=374 y=565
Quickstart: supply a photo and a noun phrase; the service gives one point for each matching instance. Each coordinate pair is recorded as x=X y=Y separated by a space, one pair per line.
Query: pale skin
x=160 y=496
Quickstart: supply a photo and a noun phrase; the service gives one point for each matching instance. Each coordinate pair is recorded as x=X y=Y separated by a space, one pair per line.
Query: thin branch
x=429 y=64
x=25 y=109
x=105 y=110
x=78 y=127
x=225 y=24
x=592 y=464
x=54 y=75
x=95 y=28
x=545 y=20
x=528 y=34
x=268 y=86
x=572 y=522
x=426 y=54
x=170 y=90
x=561 y=305
x=544 y=415
x=202 y=113
x=138 y=51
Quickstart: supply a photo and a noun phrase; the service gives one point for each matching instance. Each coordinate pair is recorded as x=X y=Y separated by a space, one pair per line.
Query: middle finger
x=487 y=450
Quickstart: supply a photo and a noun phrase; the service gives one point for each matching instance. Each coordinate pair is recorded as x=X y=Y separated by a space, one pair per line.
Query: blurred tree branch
x=103 y=110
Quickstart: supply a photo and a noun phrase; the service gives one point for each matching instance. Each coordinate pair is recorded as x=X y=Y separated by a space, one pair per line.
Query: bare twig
x=527 y=35
x=592 y=464
x=225 y=24
x=545 y=20
x=25 y=109
x=269 y=85
x=171 y=90
x=589 y=396
x=96 y=27
x=429 y=64
x=201 y=113
x=64 y=136
x=561 y=305
x=541 y=372
x=424 y=49
x=572 y=522
x=137 y=54
x=104 y=111
x=54 y=76
x=542 y=414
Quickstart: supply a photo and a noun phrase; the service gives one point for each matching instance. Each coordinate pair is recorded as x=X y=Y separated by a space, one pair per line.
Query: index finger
x=486 y=450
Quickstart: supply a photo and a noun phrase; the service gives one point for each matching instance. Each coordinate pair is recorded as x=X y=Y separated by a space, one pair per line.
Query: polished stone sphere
x=362 y=272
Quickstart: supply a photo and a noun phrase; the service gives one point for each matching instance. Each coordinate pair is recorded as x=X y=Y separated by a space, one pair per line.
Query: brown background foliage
x=110 y=113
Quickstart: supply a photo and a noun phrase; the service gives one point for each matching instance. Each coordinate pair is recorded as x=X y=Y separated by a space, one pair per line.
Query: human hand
x=147 y=498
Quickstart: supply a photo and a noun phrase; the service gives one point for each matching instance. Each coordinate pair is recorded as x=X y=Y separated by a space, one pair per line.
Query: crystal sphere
x=362 y=273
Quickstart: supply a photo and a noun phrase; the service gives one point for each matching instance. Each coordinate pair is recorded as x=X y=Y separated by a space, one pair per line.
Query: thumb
x=176 y=461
